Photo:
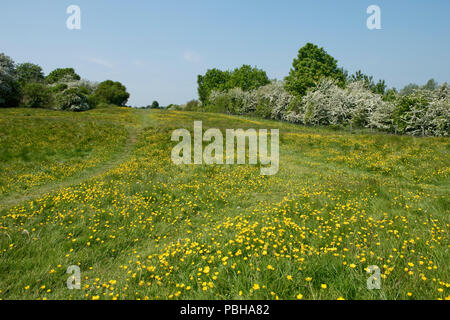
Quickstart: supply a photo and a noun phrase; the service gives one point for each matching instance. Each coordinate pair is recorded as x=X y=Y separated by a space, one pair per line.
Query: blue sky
x=157 y=48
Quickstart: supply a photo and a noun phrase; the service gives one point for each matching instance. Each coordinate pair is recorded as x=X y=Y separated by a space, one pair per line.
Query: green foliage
x=155 y=105
x=193 y=105
x=62 y=75
x=245 y=78
x=409 y=89
x=379 y=87
x=214 y=79
x=248 y=78
x=59 y=87
x=111 y=92
x=403 y=106
x=36 y=95
x=431 y=85
x=29 y=72
x=311 y=66
x=221 y=104
x=9 y=86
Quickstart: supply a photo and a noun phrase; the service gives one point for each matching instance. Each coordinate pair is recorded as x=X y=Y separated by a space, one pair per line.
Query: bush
x=36 y=95
x=219 y=102
x=193 y=105
x=272 y=101
x=72 y=99
x=424 y=112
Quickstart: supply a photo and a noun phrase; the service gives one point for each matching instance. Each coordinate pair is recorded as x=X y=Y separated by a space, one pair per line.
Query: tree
x=408 y=89
x=431 y=85
x=248 y=78
x=9 y=86
x=36 y=95
x=29 y=72
x=311 y=66
x=214 y=79
x=111 y=92
x=62 y=75
x=155 y=105
x=378 y=88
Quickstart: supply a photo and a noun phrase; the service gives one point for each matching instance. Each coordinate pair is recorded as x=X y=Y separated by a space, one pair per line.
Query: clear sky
x=157 y=48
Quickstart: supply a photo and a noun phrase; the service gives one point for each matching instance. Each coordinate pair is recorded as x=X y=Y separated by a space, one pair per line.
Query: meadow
x=98 y=189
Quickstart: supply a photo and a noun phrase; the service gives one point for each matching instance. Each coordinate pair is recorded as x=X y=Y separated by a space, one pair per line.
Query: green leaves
x=312 y=65
x=245 y=78
x=111 y=92
x=62 y=75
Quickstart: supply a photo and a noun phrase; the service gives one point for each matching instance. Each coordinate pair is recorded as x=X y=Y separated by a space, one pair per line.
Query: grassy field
x=98 y=190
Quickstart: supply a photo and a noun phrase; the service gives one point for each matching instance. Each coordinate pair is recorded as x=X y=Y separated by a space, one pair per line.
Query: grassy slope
x=149 y=229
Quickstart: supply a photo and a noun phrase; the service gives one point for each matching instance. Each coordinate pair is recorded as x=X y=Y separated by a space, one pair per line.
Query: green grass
x=145 y=228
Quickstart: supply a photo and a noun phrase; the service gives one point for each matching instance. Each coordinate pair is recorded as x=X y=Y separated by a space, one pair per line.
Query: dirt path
x=16 y=198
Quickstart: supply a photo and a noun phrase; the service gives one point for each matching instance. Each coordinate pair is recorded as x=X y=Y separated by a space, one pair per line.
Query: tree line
x=25 y=85
x=317 y=92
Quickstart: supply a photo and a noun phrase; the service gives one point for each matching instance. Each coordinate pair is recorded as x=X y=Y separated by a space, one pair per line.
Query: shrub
x=193 y=105
x=72 y=99
x=424 y=112
x=219 y=102
x=273 y=101
x=36 y=95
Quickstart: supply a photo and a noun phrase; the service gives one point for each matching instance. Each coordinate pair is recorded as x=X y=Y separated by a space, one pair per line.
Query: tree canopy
x=111 y=92
x=29 y=72
x=9 y=86
x=311 y=66
x=62 y=74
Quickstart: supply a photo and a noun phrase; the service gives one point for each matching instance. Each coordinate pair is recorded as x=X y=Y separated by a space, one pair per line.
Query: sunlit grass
x=148 y=229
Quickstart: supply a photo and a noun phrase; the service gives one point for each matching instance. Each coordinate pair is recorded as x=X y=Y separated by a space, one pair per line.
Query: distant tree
x=155 y=105
x=408 y=89
x=29 y=72
x=431 y=85
x=248 y=78
x=9 y=86
x=111 y=92
x=36 y=95
x=62 y=75
x=379 y=87
x=311 y=66
x=214 y=79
